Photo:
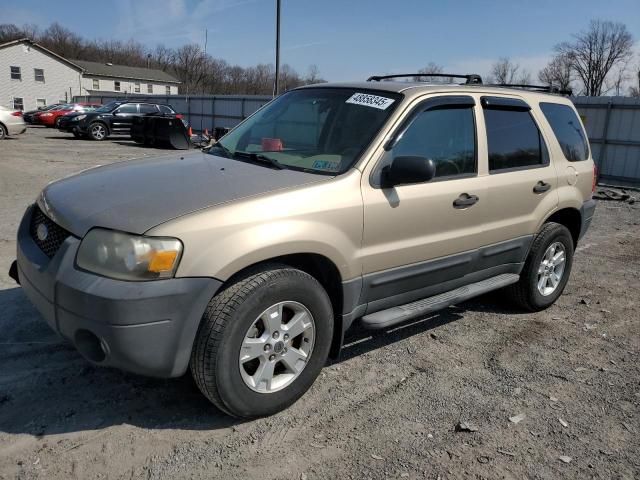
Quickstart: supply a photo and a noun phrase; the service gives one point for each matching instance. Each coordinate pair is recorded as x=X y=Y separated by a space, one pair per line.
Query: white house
x=32 y=76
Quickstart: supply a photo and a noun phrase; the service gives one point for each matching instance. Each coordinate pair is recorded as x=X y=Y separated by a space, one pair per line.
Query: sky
x=346 y=39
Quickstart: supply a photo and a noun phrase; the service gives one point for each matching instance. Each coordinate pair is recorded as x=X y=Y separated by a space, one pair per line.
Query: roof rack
x=537 y=88
x=470 y=79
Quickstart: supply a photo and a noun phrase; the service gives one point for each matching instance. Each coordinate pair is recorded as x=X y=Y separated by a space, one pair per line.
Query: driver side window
x=446 y=136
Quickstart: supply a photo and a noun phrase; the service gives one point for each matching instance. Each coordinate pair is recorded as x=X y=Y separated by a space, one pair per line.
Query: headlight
x=128 y=257
x=78 y=118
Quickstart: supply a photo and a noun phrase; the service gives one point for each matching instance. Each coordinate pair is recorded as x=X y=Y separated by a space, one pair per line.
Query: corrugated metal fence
x=612 y=123
x=613 y=128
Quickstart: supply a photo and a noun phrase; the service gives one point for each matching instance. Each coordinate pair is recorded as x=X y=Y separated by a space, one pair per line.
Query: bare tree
x=557 y=72
x=596 y=52
x=313 y=75
x=505 y=71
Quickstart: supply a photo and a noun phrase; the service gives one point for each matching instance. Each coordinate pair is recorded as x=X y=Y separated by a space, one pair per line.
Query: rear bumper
x=16 y=128
x=586 y=213
x=142 y=327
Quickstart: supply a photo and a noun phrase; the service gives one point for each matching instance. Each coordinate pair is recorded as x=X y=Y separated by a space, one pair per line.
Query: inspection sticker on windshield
x=370 y=100
x=326 y=165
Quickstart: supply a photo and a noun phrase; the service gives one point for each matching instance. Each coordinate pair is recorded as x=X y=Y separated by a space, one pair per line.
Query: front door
x=425 y=235
x=123 y=118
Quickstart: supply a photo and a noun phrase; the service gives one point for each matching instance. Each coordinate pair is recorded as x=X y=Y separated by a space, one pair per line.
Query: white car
x=11 y=122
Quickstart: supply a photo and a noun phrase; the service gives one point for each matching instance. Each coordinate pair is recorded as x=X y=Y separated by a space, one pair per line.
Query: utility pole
x=276 y=86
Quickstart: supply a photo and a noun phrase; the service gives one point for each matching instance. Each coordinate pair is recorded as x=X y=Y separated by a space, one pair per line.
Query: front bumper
x=142 y=327
x=586 y=214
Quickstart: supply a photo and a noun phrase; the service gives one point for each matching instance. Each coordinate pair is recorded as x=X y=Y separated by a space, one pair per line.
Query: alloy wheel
x=551 y=268
x=276 y=348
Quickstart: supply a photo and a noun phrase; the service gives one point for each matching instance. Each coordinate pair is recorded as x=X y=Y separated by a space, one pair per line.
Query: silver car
x=11 y=122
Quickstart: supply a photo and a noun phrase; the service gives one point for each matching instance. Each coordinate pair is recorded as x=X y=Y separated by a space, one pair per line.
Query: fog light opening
x=90 y=346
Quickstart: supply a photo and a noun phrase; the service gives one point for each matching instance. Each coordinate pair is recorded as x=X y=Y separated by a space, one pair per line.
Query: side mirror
x=408 y=169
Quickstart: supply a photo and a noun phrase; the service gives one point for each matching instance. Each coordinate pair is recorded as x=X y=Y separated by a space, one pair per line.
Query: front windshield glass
x=321 y=130
x=108 y=107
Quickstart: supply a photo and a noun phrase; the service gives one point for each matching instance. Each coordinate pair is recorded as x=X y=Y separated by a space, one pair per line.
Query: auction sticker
x=370 y=100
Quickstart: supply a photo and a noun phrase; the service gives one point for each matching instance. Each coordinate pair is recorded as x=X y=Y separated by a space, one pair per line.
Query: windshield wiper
x=258 y=157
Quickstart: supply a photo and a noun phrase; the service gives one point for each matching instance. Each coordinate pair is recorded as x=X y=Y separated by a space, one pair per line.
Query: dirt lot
x=388 y=409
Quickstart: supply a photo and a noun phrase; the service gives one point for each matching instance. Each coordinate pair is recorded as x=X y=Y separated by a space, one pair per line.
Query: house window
x=149 y=88
x=137 y=87
x=116 y=86
x=41 y=102
x=38 y=73
x=167 y=90
x=96 y=84
x=15 y=73
x=18 y=103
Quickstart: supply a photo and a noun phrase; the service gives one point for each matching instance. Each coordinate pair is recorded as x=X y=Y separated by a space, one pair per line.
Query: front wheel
x=3 y=132
x=98 y=131
x=263 y=341
x=546 y=270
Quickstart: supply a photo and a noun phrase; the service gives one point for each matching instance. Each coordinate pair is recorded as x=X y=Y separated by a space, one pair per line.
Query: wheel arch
x=324 y=270
x=570 y=218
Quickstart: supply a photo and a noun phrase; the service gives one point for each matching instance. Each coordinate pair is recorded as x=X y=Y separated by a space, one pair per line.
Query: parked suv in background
x=112 y=118
x=375 y=202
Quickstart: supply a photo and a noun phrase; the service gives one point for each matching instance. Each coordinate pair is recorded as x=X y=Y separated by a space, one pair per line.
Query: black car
x=28 y=116
x=112 y=118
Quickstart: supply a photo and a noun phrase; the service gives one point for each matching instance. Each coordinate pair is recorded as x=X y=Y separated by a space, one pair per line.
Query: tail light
x=178 y=115
x=17 y=113
x=595 y=179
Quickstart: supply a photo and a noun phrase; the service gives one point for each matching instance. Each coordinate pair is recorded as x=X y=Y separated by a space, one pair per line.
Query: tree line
x=597 y=61
x=199 y=72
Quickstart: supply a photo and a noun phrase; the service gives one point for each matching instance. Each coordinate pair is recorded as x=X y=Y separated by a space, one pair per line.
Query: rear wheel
x=98 y=131
x=263 y=341
x=546 y=270
x=3 y=132
x=57 y=122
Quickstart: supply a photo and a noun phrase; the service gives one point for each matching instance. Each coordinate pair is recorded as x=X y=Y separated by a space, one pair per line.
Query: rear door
x=123 y=117
x=522 y=181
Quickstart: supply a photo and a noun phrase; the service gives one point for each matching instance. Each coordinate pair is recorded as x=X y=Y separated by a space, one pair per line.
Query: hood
x=135 y=196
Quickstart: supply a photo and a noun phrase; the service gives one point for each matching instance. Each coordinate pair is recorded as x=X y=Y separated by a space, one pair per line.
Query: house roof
x=41 y=48
x=103 y=69
x=124 y=71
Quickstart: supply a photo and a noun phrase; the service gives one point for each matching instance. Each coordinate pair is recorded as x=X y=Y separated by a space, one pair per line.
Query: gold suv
x=374 y=202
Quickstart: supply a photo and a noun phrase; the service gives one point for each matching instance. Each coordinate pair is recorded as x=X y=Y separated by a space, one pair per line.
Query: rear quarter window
x=568 y=130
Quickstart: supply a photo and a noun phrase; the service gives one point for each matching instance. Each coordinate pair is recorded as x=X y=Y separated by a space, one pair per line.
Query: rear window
x=568 y=130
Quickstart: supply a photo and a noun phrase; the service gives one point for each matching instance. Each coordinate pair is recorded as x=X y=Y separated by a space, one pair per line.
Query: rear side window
x=145 y=108
x=446 y=136
x=568 y=130
x=513 y=139
x=166 y=110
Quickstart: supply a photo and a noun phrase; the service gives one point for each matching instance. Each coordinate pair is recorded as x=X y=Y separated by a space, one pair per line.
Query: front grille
x=55 y=235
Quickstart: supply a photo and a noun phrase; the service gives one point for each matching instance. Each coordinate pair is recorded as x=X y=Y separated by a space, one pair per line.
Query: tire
x=57 y=123
x=98 y=131
x=229 y=320
x=3 y=132
x=526 y=292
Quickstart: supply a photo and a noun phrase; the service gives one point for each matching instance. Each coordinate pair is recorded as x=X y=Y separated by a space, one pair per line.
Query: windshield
x=108 y=107
x=321 y=130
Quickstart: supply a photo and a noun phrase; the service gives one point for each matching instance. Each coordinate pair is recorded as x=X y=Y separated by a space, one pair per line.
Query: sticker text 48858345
x=370 y=100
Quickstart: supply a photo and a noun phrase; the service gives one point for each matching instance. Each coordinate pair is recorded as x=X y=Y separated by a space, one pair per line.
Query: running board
x=399 y=314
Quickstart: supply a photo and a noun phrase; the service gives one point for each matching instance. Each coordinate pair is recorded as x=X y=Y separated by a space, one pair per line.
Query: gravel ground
x=388 y=409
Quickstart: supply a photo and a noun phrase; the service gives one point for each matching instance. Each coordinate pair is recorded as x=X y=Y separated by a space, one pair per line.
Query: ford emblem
x=42 y=231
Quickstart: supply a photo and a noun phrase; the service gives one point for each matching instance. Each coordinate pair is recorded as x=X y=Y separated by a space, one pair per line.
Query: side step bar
x=399 y=314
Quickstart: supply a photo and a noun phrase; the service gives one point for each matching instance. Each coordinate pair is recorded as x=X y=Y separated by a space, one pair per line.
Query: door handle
x=465 y=200
x=541 y=187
